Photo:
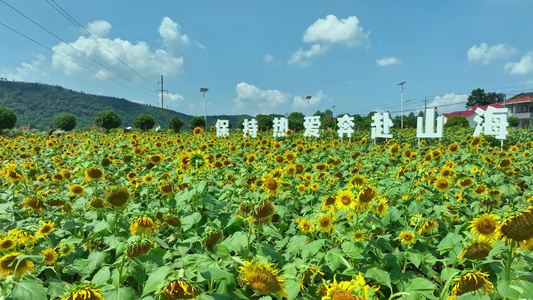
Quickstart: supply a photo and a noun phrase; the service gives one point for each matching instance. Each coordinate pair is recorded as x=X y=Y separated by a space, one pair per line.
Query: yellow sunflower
x=345 y=200
x=359 y=235
x=11 y=265
x=382 y=207
x=179 y=289
x=117 y=196
x=325 y=222
x=262 y=278
x=305 y=225
x=471 y=283
x=143 y=225
x=33 y=204
x=365 y=198
x=85 y=292
x=76 y=190
x=65 y=249
x=477 y=250
x=8 y=243
x=270 y=184
x=484 y=227
x=341 y=290
x=93 y=174
x=45 y=229
x=50 y=256
x=428 y=226
x=442 y=184
x=407 y=237
x=518 y=229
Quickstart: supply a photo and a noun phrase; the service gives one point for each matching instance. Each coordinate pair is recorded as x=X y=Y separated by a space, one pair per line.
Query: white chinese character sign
x=250 y=127
x=493 y=121
x=345 y=124
x=222 y=127
x=312 y=126
x=429 y=125
x=381 y=126
x=280 y=127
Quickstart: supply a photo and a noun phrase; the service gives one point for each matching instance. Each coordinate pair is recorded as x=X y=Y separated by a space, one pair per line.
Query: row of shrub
x=106 y=119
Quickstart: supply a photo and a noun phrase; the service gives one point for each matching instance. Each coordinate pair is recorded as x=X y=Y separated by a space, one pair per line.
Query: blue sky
x=267 y=56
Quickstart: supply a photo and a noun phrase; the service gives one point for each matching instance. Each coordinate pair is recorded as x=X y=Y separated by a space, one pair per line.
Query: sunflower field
x=192 y=216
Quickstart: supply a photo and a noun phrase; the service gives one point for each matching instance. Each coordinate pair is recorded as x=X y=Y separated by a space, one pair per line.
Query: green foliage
x=197 y=122
x=108 y=119
x=65 y=121
x=8 y=119
x=456 y=121
x=175 y=123
x=296 y=121
x=144 y=122
x=478 y=97
x=36 y=105
x=513 y=121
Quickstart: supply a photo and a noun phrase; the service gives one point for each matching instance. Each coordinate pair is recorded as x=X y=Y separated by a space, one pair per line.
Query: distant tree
x=513 y=121
x=175 y=123
x=108 y=119
x=296 y=121
x=456 y=121
x=144 y=122
x=478 y=97
x=196 y=122
x=264 y=122
x=8 y=119
x=65 y=121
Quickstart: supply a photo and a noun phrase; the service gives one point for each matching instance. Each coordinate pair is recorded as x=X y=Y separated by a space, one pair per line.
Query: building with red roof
x=521 y=107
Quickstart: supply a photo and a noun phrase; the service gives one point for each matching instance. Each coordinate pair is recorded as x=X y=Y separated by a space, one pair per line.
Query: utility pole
x=425 y=106
x=162 y=91
x=401 y=91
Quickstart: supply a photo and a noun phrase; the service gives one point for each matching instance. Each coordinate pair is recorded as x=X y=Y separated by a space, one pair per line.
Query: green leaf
x=101 y=276
x=415 y=258
x=121 y=293
x=25 y=290
x=379 y=275
x=352 y=250
x=155 y=279
x=213 y=273
x=96 y=260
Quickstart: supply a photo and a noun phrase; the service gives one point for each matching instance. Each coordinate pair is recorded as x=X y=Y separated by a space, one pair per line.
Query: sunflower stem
x=509 y=260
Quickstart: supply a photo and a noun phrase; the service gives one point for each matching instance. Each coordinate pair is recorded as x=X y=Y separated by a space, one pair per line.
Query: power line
x=65 y=14
x=66 y=57
x=68 y=44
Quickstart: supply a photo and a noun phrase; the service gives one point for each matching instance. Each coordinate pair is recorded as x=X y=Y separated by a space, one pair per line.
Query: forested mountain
x=36 y=105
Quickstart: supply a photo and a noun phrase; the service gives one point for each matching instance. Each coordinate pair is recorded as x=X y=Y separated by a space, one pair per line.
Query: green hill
x=36 y=105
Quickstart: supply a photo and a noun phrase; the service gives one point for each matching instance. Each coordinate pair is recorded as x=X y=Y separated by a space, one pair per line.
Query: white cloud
x=173 y=40
x=524 y=66
x=387 y=61
x=99 y=28
x=34 y=71
x=448 y=103
x=138 y=56
x=268 y=58
x=485 y=54
x=332 y=30
x=299 y=103
x=299 y=56
x=253 y=100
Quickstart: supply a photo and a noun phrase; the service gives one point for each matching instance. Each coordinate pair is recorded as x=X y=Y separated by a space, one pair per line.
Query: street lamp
x=401 y=91
x=204 y=90
x=308 y=98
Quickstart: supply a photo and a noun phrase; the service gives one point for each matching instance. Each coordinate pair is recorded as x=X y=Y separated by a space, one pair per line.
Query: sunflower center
x=486 y=226
x=7 y=244
x=271 y=184
x=324 y=222
x=343 y=295
x=346 y=199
